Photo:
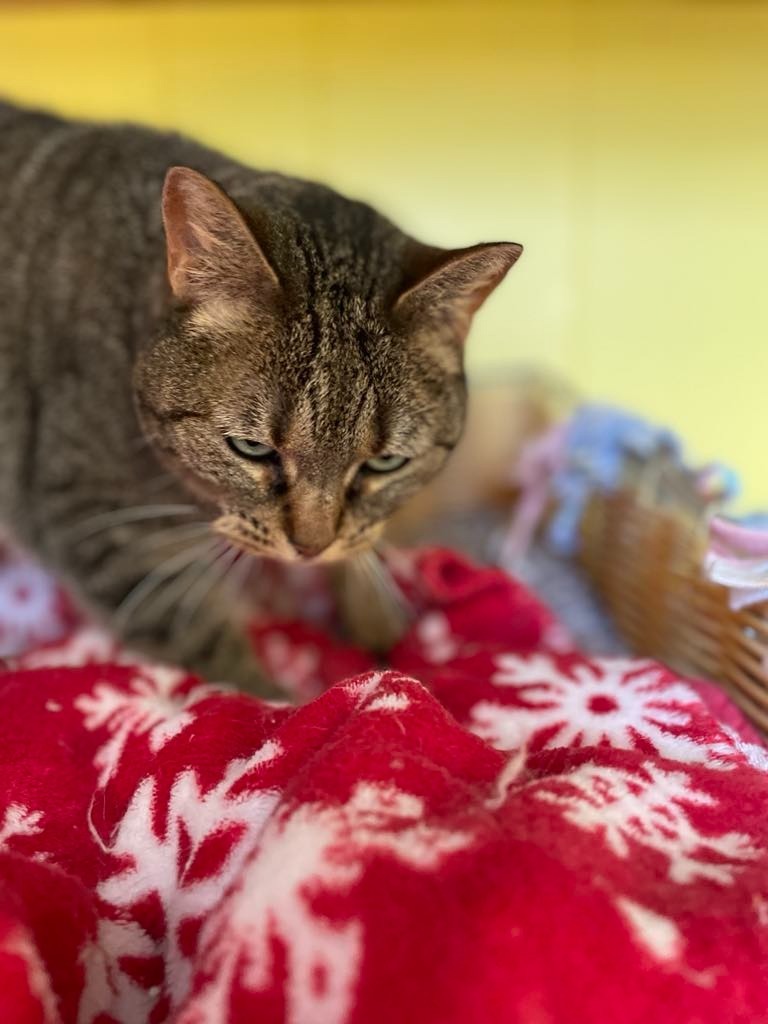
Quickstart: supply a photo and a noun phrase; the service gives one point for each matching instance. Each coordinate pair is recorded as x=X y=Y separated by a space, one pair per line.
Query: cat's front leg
x=216 y=650
x=372 y=611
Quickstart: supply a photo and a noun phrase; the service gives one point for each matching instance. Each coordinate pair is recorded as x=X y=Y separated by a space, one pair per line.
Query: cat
x=201 y=362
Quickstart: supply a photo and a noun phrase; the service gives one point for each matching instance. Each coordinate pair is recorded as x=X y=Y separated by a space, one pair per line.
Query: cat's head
x=309 y=382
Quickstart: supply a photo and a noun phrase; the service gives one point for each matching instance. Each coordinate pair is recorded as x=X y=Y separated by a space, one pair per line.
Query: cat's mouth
x=232 y=528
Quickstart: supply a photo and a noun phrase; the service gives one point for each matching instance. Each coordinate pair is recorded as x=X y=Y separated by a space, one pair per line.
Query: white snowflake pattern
x=734 y=747
x=658 y=934
x=611 y=701
x=18 y=944
x=390 y=702
x=148 y=706
x=313 y=848
x=29 y=607
x=86 y=646
x=438 y=643
x=361 y=689
x=650 y=808
x=366 y=696
x=663 y=939
x=151 y=868
x=19 y=820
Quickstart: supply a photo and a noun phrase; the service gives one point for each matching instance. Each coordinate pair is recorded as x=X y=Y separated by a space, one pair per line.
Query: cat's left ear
x=448 y=286
x=212 y=251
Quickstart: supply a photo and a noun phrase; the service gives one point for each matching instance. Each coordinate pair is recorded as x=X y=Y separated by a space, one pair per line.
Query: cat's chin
x=333 y=555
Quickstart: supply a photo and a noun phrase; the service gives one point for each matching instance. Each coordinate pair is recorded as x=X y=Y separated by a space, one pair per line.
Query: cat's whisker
x=173 y=534
x=238 y=574
x=118 y=517
x=166 y=569
x=213 y=574
x=188 y=579
x=363 y=569
x=377 y=572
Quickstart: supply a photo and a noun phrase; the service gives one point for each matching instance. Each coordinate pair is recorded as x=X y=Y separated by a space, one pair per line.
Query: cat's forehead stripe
x=326 y=417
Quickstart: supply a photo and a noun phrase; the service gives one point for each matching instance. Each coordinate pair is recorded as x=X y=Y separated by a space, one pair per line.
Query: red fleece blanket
x=496 y=829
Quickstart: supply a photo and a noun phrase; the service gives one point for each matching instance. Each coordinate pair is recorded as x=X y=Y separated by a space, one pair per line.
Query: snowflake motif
x=91 y=645
x=147 y=707
x=29 y=608
x=313 y=848
x=438 y=643
x=649 y=808
x=152 y=866
x=380 y=818
x=18 y=820
x=613 y=701
x=86 y=646
x=659 y=935
x=735 y=748
x=390 y=702
x=17 y=944
x=361 y=689
x=27 y=594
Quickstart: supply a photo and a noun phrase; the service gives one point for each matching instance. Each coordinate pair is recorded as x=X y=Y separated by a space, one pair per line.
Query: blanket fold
x=492 y=828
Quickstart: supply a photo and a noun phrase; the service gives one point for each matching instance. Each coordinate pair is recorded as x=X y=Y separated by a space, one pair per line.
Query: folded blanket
x=494 y=828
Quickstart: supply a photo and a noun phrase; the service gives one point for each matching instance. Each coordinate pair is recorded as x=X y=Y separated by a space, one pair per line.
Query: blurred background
x=625 y=143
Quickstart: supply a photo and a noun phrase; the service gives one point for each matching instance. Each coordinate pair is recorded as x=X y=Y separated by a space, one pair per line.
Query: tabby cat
x=199 y=360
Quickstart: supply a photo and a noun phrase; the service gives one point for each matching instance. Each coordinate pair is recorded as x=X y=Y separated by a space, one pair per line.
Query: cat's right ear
x=446 y=287
x=211 y=249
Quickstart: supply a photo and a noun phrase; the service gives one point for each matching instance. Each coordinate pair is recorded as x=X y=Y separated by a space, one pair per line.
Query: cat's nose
x=312 y=520
x=308 y=549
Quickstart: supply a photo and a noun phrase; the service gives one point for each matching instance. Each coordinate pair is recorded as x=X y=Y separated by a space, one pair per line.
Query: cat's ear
x=211 y=249
x=447 y=286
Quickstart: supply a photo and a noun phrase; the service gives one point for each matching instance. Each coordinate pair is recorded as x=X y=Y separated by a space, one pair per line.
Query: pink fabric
x=495 y=829
x=728 y=538
x=738 y=559
x=540 y=460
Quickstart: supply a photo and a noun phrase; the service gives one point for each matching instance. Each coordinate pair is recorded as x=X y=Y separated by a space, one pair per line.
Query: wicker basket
x=645 y=560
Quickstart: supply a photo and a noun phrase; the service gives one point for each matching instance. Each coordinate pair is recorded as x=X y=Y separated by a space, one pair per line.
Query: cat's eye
x=254 y=450
x=385 y=463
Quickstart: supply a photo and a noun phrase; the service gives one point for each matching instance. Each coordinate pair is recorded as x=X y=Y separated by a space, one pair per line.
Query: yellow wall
x=625 y=143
